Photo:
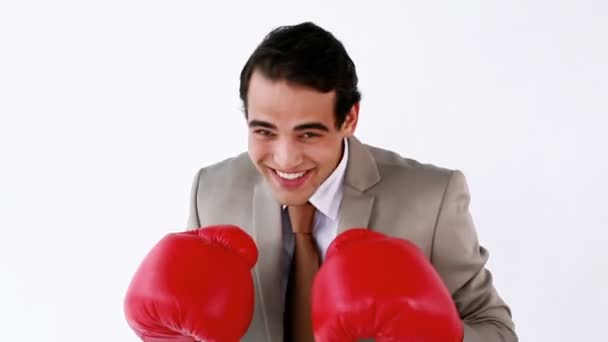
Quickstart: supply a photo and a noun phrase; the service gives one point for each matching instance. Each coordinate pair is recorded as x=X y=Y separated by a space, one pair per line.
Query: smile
x=291 y=180
x=290 y=176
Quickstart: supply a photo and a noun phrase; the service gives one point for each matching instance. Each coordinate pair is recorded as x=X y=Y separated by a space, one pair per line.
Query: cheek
x=257 y=149
x=322 y=156
x=330 y=156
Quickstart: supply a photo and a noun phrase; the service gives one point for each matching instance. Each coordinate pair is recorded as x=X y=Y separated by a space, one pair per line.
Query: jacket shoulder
x=238 y=168
x=391 y=164
x=226 y=179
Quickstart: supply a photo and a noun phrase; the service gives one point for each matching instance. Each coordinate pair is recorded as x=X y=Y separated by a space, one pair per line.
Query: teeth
x=290 y=176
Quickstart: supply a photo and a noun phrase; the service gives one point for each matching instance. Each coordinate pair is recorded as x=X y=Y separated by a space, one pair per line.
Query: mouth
x=290 y=175
x=291 y=180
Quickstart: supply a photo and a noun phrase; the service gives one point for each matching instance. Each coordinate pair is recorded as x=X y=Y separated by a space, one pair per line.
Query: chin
x=286 y=197
x=291 y=200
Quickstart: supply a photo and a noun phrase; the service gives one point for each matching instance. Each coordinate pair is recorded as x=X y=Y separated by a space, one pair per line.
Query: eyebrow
x=259 y=123
x=303 y=127
x=312 y=125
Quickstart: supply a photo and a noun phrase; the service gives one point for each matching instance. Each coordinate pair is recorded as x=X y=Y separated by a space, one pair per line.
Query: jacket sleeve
x=193 y=218
x=460 y=261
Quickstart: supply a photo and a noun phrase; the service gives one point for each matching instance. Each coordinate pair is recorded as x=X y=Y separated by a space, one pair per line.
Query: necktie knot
x=302 y=218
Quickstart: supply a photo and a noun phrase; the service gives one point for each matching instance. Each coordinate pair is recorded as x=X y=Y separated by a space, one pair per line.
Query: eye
x=263 y=132
x=309 y=135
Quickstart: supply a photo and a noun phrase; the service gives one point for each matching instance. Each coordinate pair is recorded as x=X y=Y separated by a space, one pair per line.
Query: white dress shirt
x=326 y=201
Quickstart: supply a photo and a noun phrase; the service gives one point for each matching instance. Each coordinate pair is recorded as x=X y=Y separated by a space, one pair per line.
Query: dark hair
x=307 y=55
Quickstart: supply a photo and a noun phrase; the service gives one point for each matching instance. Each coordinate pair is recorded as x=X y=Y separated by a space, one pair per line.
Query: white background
x=108 y=108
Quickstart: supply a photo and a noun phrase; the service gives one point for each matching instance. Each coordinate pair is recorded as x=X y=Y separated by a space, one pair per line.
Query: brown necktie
x=305 y=263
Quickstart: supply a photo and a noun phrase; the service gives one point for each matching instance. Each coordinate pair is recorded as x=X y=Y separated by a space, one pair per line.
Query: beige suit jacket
x=382 y=191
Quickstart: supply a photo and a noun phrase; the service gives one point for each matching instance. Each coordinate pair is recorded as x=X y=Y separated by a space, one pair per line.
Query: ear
x=350 y=123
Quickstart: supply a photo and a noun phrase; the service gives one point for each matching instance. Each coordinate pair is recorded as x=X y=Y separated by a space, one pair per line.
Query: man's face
x=293 y=139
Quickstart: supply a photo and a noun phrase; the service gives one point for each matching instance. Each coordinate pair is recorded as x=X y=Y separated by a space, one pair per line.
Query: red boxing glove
x=375 y=286
x=192 y=286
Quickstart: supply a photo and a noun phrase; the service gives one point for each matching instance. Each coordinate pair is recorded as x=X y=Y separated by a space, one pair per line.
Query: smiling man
x=306 y=179
x=295 y=140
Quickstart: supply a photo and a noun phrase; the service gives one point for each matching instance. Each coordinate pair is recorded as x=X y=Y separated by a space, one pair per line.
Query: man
x=301 y=103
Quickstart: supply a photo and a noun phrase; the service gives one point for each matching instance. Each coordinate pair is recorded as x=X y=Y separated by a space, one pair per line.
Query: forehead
x=284 y=101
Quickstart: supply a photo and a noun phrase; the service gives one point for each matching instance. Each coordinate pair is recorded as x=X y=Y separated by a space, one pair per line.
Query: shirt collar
x=328 y=195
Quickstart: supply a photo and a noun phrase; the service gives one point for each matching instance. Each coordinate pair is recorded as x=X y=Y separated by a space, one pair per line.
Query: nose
x=287 y=155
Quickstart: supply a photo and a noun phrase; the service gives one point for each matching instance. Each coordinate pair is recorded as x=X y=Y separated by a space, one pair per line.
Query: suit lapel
x=355 y=210
x=268 y=273
x=361 y=174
